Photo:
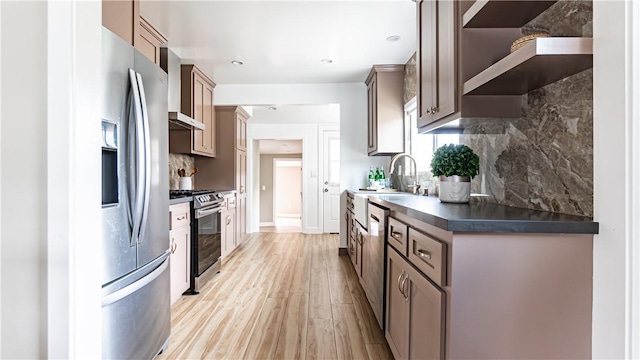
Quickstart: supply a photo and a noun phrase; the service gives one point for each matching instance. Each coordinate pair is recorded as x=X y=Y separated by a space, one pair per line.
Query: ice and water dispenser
x=109 y=163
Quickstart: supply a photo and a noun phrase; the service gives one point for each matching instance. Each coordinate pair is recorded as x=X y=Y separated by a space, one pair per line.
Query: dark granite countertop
x=180 y=200
x=484 y=217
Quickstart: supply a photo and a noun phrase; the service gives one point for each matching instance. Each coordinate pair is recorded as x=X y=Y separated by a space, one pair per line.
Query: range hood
x=170 y=63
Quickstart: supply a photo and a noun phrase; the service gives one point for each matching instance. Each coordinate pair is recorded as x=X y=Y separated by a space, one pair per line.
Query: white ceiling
x=280 y=146
x=283 y=42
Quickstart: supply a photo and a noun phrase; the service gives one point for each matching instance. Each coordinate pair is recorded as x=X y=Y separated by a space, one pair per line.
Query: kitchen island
x=480 y=280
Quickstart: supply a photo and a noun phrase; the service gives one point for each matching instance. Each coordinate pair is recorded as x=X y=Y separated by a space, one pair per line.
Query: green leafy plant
x=451 y=160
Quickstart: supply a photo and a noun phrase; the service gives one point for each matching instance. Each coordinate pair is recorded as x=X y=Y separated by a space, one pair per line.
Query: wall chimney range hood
x=185 y=121
x=170 y=63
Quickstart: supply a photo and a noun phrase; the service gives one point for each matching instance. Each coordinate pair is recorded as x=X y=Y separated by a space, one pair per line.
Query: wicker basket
x=525 y=40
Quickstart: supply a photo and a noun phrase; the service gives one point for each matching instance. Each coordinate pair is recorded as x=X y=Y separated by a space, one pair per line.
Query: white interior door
x=331 y=181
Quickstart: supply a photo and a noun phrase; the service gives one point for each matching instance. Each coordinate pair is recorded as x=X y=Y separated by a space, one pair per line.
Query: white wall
x=615 y=162
x=352 y=99
x=50 y=179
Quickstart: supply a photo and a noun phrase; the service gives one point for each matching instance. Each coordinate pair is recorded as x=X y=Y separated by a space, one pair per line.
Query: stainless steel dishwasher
x=374 y=271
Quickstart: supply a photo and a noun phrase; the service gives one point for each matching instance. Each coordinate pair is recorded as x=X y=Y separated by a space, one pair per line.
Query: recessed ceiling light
x=326 y=61
x=393 y=38
x=237 y=62
x=285 y=145
x=273 y=108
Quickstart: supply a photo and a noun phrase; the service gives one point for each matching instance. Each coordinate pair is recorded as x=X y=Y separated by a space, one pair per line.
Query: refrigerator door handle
x=147 y=159
x=137 y=205
x=128 y=290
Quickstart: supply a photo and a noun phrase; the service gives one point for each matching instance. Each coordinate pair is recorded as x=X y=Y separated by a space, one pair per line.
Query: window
x=422 y=146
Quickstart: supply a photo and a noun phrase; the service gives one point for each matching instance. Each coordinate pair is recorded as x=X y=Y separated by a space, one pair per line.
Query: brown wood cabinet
x=446 y=57
x=122 y=17
x=385 y=121
x=436 y=60
x=196 y=101
x=149 y=40
x=415 y=312
x=228 y=170
x=180 y=242
x=502 y=295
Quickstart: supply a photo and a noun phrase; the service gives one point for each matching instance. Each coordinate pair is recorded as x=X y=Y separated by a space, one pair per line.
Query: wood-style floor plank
x=279 y=296
x=321 y=343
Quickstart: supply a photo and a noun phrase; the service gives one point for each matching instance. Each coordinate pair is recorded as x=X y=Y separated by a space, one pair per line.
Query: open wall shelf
x=541 y=62
x=503 y=14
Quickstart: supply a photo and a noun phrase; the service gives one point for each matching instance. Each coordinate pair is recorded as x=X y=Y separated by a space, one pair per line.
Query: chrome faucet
x=415 y=169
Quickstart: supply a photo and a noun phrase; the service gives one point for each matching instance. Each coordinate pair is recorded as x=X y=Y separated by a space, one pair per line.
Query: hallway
x=279 y=296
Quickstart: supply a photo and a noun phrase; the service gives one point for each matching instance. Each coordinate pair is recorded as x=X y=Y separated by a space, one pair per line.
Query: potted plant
x=456 y=165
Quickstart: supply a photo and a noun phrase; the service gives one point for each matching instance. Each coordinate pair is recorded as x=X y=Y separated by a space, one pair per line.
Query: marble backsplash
x=544 y=159
x=179 y=161
x=410 y=79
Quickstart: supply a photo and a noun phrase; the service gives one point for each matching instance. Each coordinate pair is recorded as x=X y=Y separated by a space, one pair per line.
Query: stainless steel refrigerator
x=135 y=203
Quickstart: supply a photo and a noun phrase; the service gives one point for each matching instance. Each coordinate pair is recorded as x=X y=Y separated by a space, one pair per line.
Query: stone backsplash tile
x=410 y=79
x=544 y=159
x=179 y=161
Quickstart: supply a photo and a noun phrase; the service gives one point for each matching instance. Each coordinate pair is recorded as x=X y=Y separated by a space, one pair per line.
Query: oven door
x=209 y=240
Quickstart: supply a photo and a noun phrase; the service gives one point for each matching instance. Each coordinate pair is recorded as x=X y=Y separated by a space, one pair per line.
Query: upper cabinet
x=123 y=18
x=149 y=41
x=385 y=86
x=465 y=67
x=196 y=101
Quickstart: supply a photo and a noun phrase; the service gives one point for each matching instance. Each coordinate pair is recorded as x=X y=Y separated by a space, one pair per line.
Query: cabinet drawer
x=397 y=235
x=179 y=215
x=428 y=255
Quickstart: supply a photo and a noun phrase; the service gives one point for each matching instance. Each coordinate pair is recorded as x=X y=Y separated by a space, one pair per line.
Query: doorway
x=280 y=185
x=287 y=192
x=330 y=159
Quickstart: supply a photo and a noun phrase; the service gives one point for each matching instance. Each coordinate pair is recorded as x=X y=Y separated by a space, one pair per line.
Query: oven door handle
x=205 y=212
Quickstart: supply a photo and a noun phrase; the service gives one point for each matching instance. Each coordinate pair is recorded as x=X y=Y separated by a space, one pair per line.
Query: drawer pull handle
x=183 y=217
x=375 y=218
x=174 y=247
x=424 y=254
x=396 y=235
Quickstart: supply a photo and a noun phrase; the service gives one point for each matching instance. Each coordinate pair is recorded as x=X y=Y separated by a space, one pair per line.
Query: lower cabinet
x=229 y=233
x=180 y=236
x=415 y=312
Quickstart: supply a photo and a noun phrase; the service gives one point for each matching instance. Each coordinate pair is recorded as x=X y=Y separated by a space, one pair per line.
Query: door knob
x=326 y=183
x=326 y=190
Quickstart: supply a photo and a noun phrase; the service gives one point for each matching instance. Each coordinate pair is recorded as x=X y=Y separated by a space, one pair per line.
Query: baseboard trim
x=267 y=224
x=343 y=251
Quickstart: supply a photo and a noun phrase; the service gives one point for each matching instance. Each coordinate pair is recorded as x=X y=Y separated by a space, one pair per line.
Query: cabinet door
x=397 y=315
x=241 y=133
x=241 y=220
x=180 y=261
x=363 y=256
x=241 y=173
x=436 y=60
x=374 y=276
x=122 y=18
x=372 y=118
x=149 y=41
x=203 y=112
x=426 y=317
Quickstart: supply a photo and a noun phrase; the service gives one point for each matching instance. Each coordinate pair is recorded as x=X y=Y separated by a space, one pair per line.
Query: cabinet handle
x=174 y=247
x=424 y=254
x=374 y=218
x=241 y=189
x=396 y=235
x=228 y=219
x=183 y=217
x=404 y=282
x=400 y=282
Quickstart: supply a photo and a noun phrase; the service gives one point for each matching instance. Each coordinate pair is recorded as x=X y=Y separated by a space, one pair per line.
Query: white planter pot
x=185 y=183
x=455 y=189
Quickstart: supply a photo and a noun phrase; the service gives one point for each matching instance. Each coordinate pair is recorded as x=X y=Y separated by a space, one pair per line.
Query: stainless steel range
x=206 y=240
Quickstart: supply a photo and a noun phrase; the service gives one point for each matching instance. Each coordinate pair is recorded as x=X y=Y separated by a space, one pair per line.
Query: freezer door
x=154 y=232
x=118 y=254
x=136 y=318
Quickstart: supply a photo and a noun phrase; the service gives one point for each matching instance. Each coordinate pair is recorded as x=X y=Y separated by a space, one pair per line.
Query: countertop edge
x=493 y=226
x=180 y=200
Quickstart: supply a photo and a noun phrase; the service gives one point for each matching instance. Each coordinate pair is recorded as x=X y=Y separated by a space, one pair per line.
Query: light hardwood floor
x=279 y=296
